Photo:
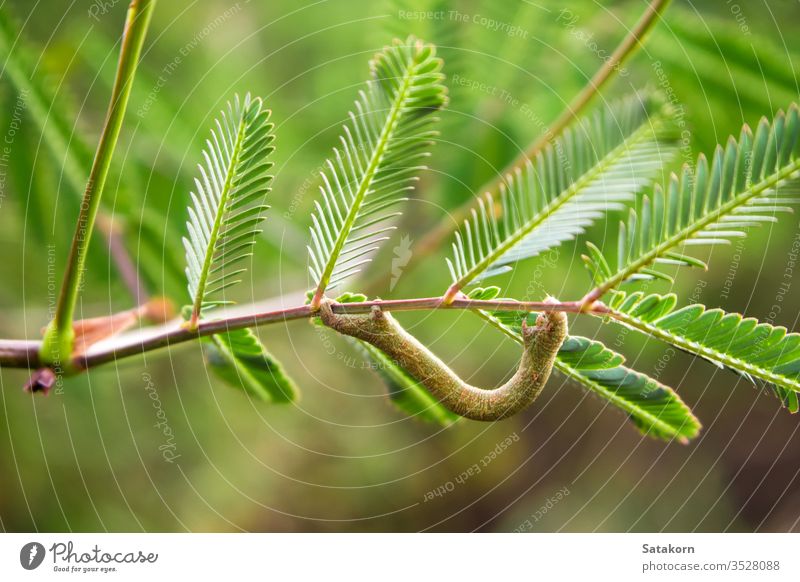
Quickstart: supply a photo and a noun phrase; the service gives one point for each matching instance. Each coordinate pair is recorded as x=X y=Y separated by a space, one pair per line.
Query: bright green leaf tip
x=238 y=358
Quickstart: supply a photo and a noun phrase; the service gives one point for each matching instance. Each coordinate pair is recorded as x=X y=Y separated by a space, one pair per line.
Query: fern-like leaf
x=655 y=409
x=754 y=350
x=381 y=147
x=240 y=360
x=746 y=184
x=227 y=204
x=594 y=167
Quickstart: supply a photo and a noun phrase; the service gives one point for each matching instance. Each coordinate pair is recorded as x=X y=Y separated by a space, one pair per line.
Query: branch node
x=42 y=380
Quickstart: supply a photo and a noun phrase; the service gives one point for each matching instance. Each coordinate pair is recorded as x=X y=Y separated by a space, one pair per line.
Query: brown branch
x=19 y=353
x=24 y=354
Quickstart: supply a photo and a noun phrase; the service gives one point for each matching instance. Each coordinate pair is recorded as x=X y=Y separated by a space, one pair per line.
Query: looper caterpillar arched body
x=540 y=346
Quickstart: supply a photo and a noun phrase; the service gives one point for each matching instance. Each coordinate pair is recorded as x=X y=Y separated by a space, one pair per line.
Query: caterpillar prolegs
x=540 y=346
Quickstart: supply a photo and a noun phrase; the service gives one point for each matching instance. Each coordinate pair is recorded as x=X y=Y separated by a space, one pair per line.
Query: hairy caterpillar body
x=540 y=346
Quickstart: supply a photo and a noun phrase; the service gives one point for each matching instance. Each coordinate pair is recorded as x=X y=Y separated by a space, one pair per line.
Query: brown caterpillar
x=540 y=346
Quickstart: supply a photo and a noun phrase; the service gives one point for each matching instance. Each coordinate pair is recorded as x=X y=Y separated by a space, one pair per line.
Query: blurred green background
x=342 y=458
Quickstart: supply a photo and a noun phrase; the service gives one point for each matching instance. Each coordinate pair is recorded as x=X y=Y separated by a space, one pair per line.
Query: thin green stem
x=632 y=41
x=63 y=146
x=59 y=336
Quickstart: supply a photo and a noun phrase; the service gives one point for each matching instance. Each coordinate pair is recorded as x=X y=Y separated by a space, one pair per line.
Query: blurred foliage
x=157 y=444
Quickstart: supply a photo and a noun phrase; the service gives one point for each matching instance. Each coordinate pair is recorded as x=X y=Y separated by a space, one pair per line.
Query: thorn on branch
x=42 y=380
x=96 y=329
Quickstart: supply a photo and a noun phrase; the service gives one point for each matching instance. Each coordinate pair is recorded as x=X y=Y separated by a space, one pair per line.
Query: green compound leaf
x=227 y=204
x=238 y=358
x=388 y=135
x=654 y=408
x=745 y=346
x=598 y=165
x=747 y=183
